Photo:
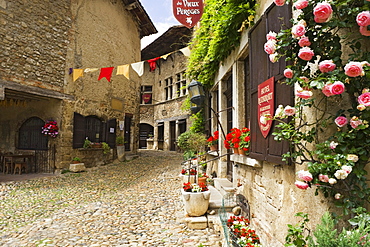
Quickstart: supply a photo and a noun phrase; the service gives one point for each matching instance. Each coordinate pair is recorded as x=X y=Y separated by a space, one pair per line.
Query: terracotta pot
x=214 y=147
x=196 y=204
x=241 y=152
x=236 y=150
x=202 y=180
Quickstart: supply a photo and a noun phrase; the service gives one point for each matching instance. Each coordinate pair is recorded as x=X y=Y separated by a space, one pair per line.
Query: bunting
x=77 y=73
x=124 y=70
x=138 y=67
x=153 y=63
x=106 y=73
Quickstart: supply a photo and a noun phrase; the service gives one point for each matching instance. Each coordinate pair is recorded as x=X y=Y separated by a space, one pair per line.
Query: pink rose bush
x=341 y=121
x=306 y=53
x=363 y=19
x=365 y=31
x=364 y=99
x=298 y=30
x=354 y=69
x=304 y=41
x=301 y=185
x=322 y=12
x=301 y=4
x=279 y=2
x=288 y=73
x=303 y=94
x=326 y=66
x=335 y=88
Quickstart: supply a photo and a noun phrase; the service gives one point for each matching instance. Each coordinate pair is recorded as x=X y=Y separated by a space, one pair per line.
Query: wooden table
x=28 y=159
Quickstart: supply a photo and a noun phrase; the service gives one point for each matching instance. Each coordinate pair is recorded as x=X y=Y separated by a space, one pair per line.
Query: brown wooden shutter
x=78 y=130
x=260 y=70
x=111 y=136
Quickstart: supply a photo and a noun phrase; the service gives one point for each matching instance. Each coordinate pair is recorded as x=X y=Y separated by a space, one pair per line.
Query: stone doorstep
x=223 y=185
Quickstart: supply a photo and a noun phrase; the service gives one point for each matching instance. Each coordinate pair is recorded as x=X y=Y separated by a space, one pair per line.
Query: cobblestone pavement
x=135 y=203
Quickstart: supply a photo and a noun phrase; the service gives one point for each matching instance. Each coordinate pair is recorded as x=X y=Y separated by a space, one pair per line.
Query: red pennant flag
x=153 y=64
x=106 y=72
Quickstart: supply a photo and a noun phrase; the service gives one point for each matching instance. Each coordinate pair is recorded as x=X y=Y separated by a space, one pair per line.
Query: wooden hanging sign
x=188 y=12
x=266 y=108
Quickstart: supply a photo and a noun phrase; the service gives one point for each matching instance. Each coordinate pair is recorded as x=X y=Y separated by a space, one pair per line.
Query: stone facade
x=42 y=41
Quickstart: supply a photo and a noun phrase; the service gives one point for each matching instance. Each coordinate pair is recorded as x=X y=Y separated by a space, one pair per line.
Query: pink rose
x=333 y=145
x=298 y=30
x=270 y=46
x=364 y=99
x=289 y=111
x=326 y=90
x=361 y=107
x=305 y=53
x=304 y=41
x=304 y=94
x=318 y=20
x=274 y=57
x=301 y=4
x=279 y=2
x=354 y=69
x=304 y=78
x=326 y=66
x=271 y=35
x=305 y=175
x=341 y=121
x=324 y=178
x=301 y=185
x=363 y=19
x=322 y=10
x=336 y=88
x=355 y=122
x=288 y=73
x=364 y=31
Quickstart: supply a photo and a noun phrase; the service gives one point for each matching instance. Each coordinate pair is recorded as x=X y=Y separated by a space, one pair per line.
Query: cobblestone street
x=133 y=203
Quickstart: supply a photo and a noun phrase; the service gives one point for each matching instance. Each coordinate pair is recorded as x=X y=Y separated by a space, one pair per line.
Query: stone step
x=224 y=186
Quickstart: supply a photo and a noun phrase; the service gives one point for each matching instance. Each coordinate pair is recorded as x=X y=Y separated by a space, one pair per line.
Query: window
x=262 y=69
x=168 y=88
x=30 y=136
x=180 y=84
x=146 y=95
x=94 y=129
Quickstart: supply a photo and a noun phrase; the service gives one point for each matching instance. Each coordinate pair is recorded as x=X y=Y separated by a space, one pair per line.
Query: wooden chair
x=21 y=167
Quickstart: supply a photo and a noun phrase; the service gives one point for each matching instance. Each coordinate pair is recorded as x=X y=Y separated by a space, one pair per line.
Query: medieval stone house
x=43 y=43
x=163 y=91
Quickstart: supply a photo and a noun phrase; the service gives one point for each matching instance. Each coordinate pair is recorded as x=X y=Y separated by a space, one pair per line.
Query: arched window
x=30 y=136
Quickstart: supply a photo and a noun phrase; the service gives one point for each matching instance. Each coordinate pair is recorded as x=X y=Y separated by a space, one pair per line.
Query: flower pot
x=214 y=147
x=236 y=150
x=241 y=152
x=202 y=180
x=196 y=204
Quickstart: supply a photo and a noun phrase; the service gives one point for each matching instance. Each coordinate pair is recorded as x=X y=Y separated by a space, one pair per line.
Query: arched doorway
x=30 y=136
x=145 y=131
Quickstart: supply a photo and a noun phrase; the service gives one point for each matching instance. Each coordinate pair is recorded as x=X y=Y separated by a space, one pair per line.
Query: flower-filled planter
x=50 y=128
x=196 y=199
x=213 y=141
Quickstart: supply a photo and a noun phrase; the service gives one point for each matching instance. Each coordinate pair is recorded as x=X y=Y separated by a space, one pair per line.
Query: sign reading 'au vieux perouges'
x=187 y=12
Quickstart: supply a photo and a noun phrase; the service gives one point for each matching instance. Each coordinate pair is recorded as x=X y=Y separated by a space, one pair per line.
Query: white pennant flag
x=138 y=67
x=186 y=51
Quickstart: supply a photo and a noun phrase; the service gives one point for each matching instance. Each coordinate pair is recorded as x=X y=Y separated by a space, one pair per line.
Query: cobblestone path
x=135 y=203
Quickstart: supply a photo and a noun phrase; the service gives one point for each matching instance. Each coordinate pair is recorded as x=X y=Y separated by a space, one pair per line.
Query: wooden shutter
x=111 y=132
x=78 y=130
x=261 y=69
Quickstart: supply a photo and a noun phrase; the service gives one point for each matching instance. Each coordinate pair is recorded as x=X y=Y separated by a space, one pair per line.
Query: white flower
x=332 y=181
x=333 y=145
x=341 y=174
x=263 y=119
x=337 y=196
x=352 y=157
x=347 y=169
x=279 y=111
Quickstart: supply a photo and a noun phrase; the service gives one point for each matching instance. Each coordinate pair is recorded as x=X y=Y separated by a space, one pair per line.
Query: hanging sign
x=187 y=12
x=146 y=97
x=266 y=105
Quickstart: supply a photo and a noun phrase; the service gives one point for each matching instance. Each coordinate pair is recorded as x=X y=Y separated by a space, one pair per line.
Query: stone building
x=43 y=43
x=163 y=91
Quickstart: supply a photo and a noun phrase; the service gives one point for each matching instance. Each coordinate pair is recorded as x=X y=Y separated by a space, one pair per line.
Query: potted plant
x=232 y=140
x=196 y=198
x=87 y=143
x=213 y=141
x=76 y=160
x=120 y=141
x=188 y=175
x=244 y=141
x=241 y=233
x=202 y=178
x=106 y=148
x=191 y=142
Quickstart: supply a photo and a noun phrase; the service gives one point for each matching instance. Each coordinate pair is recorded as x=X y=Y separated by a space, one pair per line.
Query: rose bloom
x=337 y=196
x=271 y=35
x=304 y=94
x=301 y=4
x=279 y=2
x=355 y=122
x=336 y=88
x=274 y=57
x=326 y=90
x=340 y=174
x=304 y=41
x=364 y=31
x=270 y=46
x=305 y=79
x=332 y=181
x=326 y=66
x=361 y=107
x=322 y=10
x=263 y=119
x=354 y=69
x=341 y=121
x=288 y=73
x=301 y=185
x=363 y=19
x=289 y=111
x=279 y=111
x=305 y=53
x=318 y=20
x=347 y=169
x=352 y=157
x=333 y=145
x=298 y=30
x=324 y=178
x=364 y=99
x=305 y=175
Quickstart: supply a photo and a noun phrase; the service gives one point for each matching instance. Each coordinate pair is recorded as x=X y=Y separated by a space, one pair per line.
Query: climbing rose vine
x=327 y=49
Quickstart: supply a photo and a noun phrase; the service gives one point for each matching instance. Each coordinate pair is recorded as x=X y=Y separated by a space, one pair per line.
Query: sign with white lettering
x=266 y=98
x=187 y=12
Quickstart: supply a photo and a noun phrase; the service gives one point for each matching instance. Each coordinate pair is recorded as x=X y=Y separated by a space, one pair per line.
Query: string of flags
x=124 y=69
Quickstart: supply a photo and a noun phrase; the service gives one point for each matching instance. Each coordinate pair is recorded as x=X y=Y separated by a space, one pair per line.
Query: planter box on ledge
x=78 y=167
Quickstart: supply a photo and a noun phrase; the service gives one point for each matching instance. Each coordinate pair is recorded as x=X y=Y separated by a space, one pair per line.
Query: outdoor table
x=28 y=159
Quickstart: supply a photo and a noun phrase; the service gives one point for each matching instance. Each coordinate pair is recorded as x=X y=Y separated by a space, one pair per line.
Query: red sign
x=187 y=12
x=146 y=97
x=266 y=105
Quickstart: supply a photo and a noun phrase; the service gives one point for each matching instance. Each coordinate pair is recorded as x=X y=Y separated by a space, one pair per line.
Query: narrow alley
x=132 y=203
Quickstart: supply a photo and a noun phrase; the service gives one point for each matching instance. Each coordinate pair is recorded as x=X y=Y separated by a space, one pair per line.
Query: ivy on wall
x=217 y=36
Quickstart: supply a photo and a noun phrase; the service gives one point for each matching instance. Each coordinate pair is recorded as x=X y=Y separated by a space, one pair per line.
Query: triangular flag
x=138 y=67
x=186 y=51
x=153 y=63
x=166 y=56
x=124 y=70
x=88 y=70
x=77 y=73
x=106 y=72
